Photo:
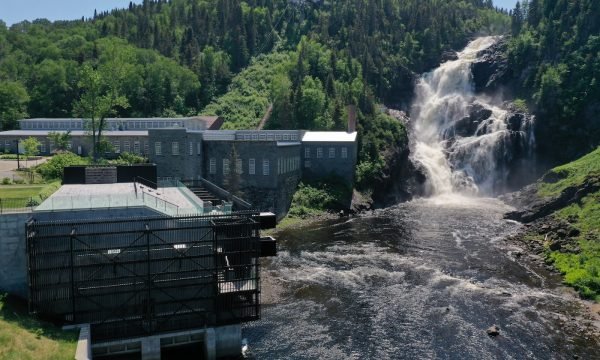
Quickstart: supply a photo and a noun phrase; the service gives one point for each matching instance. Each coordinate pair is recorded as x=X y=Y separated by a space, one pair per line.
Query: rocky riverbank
x=561 y=213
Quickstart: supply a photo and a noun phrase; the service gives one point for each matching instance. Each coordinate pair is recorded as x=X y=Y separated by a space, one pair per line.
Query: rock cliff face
x=401 y=179
x=491 y=70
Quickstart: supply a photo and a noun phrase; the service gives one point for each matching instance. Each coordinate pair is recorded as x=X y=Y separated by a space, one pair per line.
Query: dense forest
x=554 y=57
x=234 y=58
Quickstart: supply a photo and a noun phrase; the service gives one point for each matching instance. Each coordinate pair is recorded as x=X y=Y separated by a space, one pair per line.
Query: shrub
x=53 y=168
x=6 y=181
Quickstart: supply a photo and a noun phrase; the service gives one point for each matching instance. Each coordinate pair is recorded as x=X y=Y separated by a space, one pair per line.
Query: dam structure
x=139 y=266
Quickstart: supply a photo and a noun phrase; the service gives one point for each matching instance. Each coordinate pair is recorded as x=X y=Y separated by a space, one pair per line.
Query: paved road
x=8 y=167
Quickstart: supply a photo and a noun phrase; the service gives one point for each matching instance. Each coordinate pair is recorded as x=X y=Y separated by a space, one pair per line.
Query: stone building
x=263 y=165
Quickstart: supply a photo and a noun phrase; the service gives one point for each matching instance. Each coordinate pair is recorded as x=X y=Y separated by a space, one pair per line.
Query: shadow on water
x=420 y=280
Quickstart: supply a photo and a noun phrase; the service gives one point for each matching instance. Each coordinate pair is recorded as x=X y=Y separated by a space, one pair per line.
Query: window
x=126 y=146
x=251 y=166
x=146 y=148
x=225 y=166
x=213 y=166
x=198 y=147
x=42 y=147
x=286 y=137
x=239 y=166
x=344 y=153
x=136 y=147
x=332 y=153
x=319 y=153
x=254 y=137
x=175 y=148
x=263 y=137
x=158 y=148
x=278 y=137
x=179 y=246
x=266 y=167
x=307 y=164
x=117 y=146
x=191 y=148
x=307 y=153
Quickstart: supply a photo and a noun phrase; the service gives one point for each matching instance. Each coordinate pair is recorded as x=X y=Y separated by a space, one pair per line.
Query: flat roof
x=73 y=132
x=329 y=136
x=200 y=117
x=96 y=196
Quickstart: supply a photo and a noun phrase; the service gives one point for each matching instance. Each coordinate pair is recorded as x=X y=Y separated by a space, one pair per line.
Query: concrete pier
x=222 y=341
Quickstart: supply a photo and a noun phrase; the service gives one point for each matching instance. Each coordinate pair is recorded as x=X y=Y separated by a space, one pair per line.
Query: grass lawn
x=22 y=337
x=19 y=191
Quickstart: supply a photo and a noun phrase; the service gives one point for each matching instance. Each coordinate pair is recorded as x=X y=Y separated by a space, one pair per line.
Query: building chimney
x=351 y=118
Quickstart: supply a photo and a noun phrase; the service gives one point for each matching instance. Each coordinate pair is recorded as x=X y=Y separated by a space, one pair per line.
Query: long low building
x=263 y=165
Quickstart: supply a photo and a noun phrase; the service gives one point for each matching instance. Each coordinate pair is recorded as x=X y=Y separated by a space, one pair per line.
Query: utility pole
x=18 y=157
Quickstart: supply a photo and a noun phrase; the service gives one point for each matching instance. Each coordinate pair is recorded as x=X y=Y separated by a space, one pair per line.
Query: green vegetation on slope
x=24 y=338
x=317 y=198
x=555 y=59
x=571 y=174
x=581 y=267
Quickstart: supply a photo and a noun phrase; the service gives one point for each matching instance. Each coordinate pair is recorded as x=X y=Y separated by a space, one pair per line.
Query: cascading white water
x=463 y=141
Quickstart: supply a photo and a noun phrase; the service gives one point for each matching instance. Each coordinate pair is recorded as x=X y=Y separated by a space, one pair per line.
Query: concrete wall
x=184 y=164
x=315 y=167
x=13 y=254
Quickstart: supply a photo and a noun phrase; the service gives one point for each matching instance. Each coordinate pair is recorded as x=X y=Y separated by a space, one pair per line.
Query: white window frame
x=344 y=153
x=158 y=148
x=126 y=146
x=198 y=148
x=319 y=153
x=212 y=169
x=175 y=148
x=307 y=153
x=266 y=167
x=252 y=166
x=191 y=148
x=226 y=169
x=146 y=148
x=136 y=147
x=332 y=153
x=117 y=146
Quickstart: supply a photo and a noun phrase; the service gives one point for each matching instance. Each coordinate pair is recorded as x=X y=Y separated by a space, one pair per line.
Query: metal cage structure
x=138 y=277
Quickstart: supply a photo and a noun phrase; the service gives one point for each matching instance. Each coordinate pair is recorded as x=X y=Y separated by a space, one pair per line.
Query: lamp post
x=18 y=157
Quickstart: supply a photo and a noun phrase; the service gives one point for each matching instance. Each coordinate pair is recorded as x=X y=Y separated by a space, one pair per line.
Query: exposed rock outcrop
x=491 y=69
x=533 y=207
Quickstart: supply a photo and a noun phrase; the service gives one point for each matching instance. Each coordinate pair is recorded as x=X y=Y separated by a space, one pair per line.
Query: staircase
x=205 y=195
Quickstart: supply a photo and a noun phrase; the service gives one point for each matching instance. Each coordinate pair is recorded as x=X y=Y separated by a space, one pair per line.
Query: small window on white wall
x=175 y=148
x=158 y=148
x=266 y=168
x=307 y=153
x=126 y=146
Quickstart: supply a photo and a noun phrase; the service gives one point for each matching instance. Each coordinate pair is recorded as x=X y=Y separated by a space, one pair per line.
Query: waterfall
x=464 y=142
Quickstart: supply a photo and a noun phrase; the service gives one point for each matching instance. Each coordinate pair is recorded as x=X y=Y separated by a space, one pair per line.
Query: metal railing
x=17 y=205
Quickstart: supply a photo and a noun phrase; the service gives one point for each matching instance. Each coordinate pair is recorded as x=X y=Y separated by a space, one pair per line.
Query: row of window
x=158 y=150
x=331 y=154
x=112 y=125
x=268 y=137
x=239 y=167
x=286 y=165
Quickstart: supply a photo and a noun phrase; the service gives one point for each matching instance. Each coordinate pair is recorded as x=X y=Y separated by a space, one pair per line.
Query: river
x=421 y=280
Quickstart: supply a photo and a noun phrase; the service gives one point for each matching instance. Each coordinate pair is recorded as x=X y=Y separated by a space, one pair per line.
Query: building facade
x=265 y=166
